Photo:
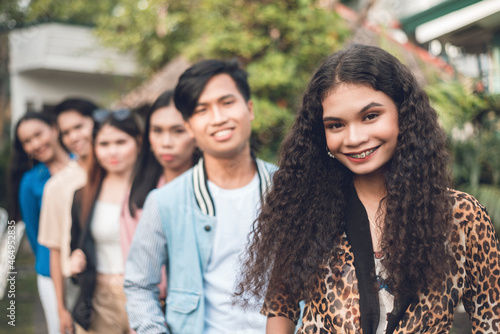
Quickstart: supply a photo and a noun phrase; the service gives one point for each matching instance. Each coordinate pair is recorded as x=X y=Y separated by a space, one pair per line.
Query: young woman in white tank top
x=96 y=258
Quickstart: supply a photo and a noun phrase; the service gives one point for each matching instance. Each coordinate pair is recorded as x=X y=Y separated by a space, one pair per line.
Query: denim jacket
x=176 y=229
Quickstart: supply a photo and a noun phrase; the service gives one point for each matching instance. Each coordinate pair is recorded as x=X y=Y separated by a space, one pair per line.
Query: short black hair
x=194 y=79
x=84 y=107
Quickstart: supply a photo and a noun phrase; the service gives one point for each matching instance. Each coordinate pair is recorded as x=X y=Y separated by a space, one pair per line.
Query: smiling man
x=198 y=224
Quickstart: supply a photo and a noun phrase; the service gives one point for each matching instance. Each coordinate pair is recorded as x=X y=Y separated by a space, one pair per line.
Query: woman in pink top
x=167 y=152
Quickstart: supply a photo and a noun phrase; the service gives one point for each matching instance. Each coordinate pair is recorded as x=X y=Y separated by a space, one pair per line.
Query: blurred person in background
x=96 y=258
x=74 y=119
x=197 y=225
x=167 y=151
x=37 y=155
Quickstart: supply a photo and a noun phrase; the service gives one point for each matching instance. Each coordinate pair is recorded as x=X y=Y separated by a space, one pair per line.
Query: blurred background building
x=51 y=61
x=466 y=33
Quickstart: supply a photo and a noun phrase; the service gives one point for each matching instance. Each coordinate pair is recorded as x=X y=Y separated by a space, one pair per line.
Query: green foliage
x=270 y=124
x=279 y=42
x=11 y=13
x=472 y=122
x=454 y=104
x=75 y=11
x=155 y=30
x=475 y=149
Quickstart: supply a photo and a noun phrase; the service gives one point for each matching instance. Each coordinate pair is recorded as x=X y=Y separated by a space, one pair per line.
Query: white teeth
x=222 y=133
x=362 y=155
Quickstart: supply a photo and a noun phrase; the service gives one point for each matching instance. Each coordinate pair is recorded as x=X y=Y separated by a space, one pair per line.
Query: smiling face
x=39 y=140
x=115 y=150
x=76 y=132
x=361 y=128
x=170 y=142
x=221 y=121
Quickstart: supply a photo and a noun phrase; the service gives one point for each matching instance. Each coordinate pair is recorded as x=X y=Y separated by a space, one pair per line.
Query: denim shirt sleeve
x=30 y=210
x=148 y=252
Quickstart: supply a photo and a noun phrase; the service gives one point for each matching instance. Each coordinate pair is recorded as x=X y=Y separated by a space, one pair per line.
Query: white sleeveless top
x=105 y=229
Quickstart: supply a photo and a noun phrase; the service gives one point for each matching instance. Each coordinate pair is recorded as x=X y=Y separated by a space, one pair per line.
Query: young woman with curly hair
x=361 y=223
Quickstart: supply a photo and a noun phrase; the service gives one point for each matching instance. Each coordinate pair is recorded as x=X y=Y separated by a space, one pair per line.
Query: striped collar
x=202 y=194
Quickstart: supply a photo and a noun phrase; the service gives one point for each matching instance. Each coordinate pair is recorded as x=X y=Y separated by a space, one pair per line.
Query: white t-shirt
x=105 y=229
x=385 y=298
x=236 y=209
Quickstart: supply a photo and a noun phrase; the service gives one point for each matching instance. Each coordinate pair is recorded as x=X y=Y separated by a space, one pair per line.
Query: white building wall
x=50 y=62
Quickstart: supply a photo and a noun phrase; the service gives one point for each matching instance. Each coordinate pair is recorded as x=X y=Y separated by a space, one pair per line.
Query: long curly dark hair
x=304 y=213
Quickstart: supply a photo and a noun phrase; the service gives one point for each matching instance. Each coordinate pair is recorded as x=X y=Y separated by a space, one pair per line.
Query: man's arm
x=148 y=253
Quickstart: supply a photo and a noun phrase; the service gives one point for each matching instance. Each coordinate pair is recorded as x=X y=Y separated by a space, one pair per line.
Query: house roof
x=410 y=23
x=470 y=24
x=145 y=94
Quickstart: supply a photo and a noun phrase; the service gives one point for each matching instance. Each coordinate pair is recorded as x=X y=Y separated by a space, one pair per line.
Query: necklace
x=378 y=255
x=372 y=224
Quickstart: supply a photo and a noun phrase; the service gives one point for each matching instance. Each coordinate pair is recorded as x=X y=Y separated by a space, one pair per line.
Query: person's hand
x=78 y=261
x=65 y=322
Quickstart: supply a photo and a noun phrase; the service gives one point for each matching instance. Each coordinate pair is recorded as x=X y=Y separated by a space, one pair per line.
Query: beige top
x=55 y=216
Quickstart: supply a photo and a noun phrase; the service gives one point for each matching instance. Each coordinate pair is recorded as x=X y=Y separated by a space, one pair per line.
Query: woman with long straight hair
x=96 y=258
x=38 y=154
x=167 y=151
x=362 y=224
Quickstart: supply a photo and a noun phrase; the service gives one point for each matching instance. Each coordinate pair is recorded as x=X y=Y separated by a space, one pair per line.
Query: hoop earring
x=330 y=153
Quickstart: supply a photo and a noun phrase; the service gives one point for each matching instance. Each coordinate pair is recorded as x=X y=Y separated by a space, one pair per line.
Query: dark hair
x=83 y=106
x=95 y=172
x=20 y=162
x=194 y=79
x=304 y=214
x=147 y=169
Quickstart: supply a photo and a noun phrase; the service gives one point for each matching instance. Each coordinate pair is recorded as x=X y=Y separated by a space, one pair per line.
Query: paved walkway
x=39 y=317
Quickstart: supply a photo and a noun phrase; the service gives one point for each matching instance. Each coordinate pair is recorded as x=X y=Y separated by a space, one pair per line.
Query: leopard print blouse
x=475 y=280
